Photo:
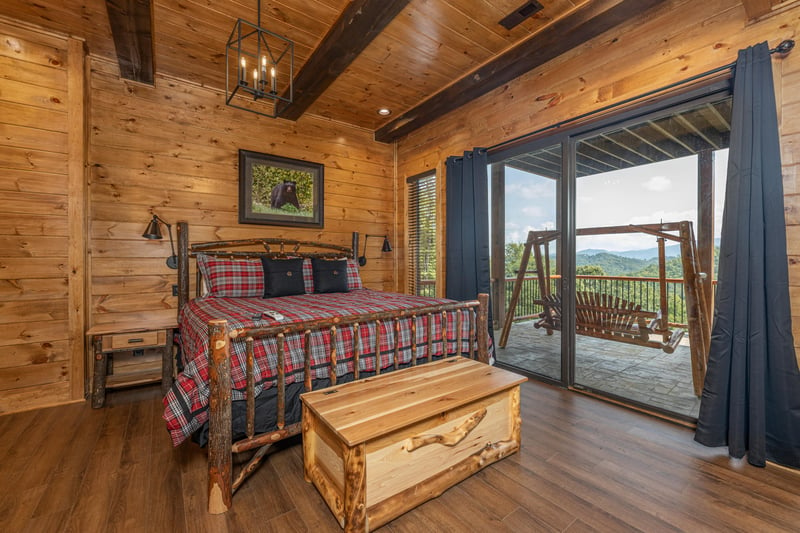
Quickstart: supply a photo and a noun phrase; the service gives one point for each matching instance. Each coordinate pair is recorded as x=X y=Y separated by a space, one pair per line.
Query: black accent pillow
x=329 y=276
x=283 y=277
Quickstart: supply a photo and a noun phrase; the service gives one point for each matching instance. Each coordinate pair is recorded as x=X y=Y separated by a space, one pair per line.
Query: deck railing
x=640 y=290
x=426 y=287
x=645 y=291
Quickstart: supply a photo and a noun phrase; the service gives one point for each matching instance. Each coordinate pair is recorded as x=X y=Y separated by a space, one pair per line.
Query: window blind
x=422 y=234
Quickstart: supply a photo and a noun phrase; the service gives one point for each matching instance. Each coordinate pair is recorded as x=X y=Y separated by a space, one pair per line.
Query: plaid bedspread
x=186 y=404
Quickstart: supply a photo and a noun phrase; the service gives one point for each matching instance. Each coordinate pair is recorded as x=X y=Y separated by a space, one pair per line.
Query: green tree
x=513 y=258
x=673 y=266
x=590 y=270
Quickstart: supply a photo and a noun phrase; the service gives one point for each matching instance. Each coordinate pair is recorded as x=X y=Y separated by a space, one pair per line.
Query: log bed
x=430 y=330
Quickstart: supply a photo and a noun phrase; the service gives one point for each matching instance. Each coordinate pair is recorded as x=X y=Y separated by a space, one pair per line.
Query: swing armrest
x=673 y=341
x=655 y=322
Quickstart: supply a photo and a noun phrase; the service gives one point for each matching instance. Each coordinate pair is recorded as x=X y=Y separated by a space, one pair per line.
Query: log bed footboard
x=221 y=482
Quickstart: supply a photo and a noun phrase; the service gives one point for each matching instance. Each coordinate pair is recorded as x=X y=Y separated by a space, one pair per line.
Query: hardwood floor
x=584 y=465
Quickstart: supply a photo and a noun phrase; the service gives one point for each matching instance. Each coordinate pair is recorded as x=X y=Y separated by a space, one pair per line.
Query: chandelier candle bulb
x=243 y=72
x=255 y=78
x=273 y=80
x=263 y=67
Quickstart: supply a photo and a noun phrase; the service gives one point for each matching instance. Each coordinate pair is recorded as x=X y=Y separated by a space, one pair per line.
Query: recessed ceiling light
x=384 y=111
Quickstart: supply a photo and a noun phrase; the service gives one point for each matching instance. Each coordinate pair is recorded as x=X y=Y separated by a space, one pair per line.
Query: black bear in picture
x=284 y=193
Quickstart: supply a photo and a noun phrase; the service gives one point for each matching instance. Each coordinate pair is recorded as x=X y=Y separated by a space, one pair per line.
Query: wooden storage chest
x=378 y=447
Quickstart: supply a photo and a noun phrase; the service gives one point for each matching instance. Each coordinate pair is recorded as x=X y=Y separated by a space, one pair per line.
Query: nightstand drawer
x=133 y=341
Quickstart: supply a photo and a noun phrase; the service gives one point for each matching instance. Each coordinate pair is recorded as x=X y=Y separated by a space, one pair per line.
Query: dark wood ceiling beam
x=722 y=113
x=656 y=136
x=588 y=167
x=591 y=158
x=356 y=27
x=756 y=8
x=704 y=134
x=132 y=28
x=658 y=147
x=611 y=138
x=674 y=131
x=532 y=168
x=625 y=156
x=586 y=23
x=535 y=165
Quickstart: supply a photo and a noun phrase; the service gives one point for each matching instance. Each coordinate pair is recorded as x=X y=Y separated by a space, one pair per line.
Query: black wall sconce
x=153 y=231
x=362 y=259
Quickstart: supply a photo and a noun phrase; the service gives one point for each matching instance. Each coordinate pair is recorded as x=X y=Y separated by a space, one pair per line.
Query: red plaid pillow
x=353 y=277
x=232 y=278
x=308 y=276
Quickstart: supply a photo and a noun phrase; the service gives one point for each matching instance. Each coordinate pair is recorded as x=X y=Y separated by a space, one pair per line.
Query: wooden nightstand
x=131 y=354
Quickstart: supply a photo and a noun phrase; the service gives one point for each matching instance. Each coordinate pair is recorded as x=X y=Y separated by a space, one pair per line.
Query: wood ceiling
x=419 y=58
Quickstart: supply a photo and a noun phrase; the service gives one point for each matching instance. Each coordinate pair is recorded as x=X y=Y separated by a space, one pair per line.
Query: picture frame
x=280 y=191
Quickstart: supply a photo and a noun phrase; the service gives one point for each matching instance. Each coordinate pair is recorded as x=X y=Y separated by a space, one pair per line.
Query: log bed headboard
x=250 y=248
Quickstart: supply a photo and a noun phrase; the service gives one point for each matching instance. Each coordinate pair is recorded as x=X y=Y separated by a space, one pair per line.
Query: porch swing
x=610 y=317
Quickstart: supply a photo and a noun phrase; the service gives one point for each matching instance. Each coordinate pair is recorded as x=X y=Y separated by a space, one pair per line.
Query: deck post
x=696 y=314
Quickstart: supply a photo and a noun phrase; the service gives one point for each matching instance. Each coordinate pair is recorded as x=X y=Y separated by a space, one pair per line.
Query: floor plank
x=585 y=465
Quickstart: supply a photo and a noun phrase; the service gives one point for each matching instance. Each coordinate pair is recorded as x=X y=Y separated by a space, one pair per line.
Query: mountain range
x=673 y=250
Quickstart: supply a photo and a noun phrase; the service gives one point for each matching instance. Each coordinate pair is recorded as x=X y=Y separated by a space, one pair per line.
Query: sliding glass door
x=596 y=230
x=529 y=187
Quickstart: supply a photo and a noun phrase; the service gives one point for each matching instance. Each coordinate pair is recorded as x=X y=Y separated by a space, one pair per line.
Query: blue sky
x=659 y=192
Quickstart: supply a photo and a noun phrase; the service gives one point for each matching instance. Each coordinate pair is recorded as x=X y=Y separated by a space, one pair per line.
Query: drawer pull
x=452 y=438
x=135 y=341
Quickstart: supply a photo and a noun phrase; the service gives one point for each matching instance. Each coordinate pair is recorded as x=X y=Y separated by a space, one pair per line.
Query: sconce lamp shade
x=153 y=231
x=387 y=247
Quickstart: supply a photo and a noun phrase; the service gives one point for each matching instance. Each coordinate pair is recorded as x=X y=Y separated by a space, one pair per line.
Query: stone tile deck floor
x=646 y=375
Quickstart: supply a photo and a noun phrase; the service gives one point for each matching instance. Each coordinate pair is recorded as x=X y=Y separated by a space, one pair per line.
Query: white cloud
x=658 y=184
x=517 y=234
x=530 y=191
x=533 y=211
x=663 y=216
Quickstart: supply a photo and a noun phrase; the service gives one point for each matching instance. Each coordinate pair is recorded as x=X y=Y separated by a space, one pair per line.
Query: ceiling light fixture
x=259 y=69
x=384 y=111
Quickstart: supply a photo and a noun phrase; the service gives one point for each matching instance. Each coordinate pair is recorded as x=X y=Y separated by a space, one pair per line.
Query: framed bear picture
x=280 y=191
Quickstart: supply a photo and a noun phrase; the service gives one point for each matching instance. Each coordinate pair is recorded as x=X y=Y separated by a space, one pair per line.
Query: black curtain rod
x=783 y=48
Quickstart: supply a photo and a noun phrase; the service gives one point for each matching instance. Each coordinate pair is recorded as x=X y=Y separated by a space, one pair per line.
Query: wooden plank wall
x=41 y=221
x=671 y=43
x=173 y=150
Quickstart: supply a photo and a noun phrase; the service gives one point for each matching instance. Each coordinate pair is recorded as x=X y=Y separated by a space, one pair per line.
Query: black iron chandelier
x=259 y=69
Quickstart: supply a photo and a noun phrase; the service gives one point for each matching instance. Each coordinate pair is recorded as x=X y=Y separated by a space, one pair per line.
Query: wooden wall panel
x=41 y=348
x=674 y=42
x=173 y=150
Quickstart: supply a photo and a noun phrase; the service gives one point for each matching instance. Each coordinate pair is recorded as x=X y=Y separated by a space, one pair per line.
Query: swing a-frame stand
x=613 y=318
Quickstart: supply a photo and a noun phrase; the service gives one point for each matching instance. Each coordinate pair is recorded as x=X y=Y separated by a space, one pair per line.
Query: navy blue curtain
x=751 y=396
x=467 y=243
